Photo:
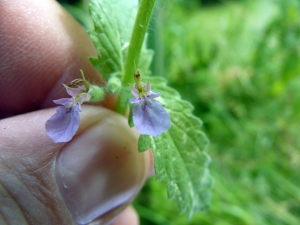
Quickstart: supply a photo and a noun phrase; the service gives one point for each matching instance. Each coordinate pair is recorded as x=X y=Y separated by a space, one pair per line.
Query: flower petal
x=134 y=91
x=153 y=95
x=151 y=118
x=63 y=101
x=134 y=100
x=62 y=126
x=148 y=86
x=85 y=97
x=74 y=91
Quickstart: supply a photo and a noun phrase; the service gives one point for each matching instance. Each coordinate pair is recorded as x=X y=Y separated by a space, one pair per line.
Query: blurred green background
x=238 y=62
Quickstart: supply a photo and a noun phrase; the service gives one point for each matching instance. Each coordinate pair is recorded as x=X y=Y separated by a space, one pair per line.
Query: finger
x=95 y=175
x=41 y=47
x=127 y=217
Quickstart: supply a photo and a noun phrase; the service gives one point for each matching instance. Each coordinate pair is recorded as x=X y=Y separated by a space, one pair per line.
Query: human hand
x=96 y=174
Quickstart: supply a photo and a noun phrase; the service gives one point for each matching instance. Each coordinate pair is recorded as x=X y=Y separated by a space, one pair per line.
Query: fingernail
x=100 y=171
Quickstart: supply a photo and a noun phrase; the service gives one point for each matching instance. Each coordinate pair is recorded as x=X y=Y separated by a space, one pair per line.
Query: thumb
x=94 y=176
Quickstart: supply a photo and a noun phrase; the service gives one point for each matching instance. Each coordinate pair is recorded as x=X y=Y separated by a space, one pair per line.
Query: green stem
x=137 y=38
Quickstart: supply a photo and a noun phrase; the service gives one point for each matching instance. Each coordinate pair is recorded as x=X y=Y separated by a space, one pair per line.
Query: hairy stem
x=138 y=34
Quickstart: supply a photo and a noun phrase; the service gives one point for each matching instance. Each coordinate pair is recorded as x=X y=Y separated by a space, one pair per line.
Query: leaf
x=106 y=38
x=130 y=119
x=143 y=142
x=179 y=156
x=125 y=95
x=146 y=57
x=113 y=24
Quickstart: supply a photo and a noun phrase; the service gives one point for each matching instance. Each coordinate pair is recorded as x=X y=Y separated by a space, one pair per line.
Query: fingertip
x=42 y=46
x=151 y=163
x=128 y=217
x=101 y=167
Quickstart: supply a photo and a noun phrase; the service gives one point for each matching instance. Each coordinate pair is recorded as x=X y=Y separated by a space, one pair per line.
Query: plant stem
x=137 y=38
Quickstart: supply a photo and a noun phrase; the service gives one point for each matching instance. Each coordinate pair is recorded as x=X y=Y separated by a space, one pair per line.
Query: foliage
x=182 y=166
x=181 y=162
x=238 y=63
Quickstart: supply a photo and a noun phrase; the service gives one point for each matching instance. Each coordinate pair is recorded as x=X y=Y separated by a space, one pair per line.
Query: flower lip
x=149 y=116
x=63 y=101
x=62 y=126
x=153 y=95
x=134 y=100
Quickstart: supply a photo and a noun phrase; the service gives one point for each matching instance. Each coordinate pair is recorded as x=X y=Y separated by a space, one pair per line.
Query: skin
x=41 y=47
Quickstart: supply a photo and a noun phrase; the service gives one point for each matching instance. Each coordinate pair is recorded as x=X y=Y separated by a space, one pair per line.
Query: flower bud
x=114 y=85
x=97 y=93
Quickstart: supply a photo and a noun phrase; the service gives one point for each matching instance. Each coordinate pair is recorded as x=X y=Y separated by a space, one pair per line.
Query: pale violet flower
x=62 y=126
x=149 y=116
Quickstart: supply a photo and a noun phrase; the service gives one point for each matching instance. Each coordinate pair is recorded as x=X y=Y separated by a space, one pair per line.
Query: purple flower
x=62 y=126
x=149 y=116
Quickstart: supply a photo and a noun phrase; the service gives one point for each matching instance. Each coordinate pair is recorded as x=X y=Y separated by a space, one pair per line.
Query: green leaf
x=114 y=84
x=144 y=142
x=113 y=24
x=130 y=119
x=106 y=38
x=146 y=57
x=179 y=154
x=125 y=95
